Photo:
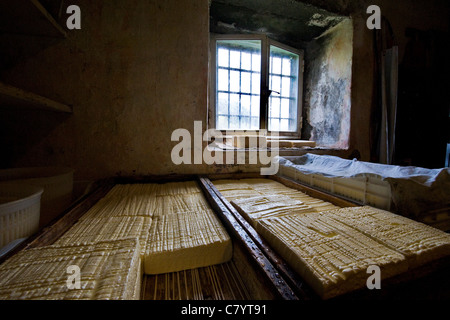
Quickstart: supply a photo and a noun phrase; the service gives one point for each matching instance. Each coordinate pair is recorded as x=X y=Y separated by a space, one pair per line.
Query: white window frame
x=266 y=42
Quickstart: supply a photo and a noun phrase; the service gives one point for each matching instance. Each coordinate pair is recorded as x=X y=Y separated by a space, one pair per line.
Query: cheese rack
x=256 y=271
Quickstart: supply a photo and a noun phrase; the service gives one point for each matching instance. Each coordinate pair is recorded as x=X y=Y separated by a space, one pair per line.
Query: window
x=256 y=85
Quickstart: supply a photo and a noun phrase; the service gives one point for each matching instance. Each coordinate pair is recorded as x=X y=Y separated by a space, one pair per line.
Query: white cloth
x=415 y=191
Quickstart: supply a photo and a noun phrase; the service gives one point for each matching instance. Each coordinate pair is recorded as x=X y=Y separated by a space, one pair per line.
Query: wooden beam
x=14 y=97
x=236 y=230
x=49 y=18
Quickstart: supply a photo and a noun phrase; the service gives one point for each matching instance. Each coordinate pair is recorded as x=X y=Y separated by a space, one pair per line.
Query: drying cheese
x=185 y=241
x=420 y=243
x=263 y=207
x=247 y=193
x=94 y=230
x=108 y=271
x=330 y=256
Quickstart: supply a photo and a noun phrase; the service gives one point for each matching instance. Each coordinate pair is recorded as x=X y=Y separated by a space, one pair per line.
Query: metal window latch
x=267 y=92
x=270 y=92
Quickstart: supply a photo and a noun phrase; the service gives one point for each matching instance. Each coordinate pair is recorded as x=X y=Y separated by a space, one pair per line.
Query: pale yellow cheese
x=420 y=243
x=89 y=231
x=108 y=271
x=330 y=256
x=174 y=222
x=263 y=207
x=185 y=241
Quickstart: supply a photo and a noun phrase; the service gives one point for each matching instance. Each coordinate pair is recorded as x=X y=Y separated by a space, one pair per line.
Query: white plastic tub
x=57 y=183
x=19 y=211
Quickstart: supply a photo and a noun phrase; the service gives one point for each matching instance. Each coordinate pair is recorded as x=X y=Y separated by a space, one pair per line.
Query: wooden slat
x=218 y=282
x=238 y=232
x=15 y=97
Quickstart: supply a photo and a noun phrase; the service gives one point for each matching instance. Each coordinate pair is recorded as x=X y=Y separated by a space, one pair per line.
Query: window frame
x=266 y=42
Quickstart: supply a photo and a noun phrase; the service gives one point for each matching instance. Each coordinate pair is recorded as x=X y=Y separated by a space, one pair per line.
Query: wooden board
x=12 y=97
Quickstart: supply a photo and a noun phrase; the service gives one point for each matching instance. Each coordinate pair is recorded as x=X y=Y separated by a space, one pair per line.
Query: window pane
x=245 y=82
x=255 y=106
x=223 y=104
x=274 y=107
x=235 y=59
x=286 y=67
x=255 y=123
x=245 y=105
x=256 y=84
x=245 y=122
x=246 y=61
x=276 y=84
x=274 y=124
x=284 y=125
x=234 y=81
x=234 y=104
x=222 y=122
x=276 y=65
x=286 y=87
x=256 y=62
x=222 y=80
x=283 y=110
x=234 y=123
x=222 y=58
x=238 y=84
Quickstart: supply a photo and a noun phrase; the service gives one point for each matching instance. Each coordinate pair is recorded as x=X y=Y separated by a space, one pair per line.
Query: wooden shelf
x=28 y=17
x=17 y=98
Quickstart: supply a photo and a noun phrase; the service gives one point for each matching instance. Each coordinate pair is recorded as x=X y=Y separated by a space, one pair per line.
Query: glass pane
x=255 y=106
x=234 y=104
x=256 y=84
x=276 y=65
x=238 y=84
x=234 y=123
x=284 y=108
x=276 y=84
x=286 y=67
x=255 y=123
x=223 y=104
x=222 y=80
x=246 y=61
x=245 y=105
x=274 y=107
x=245 y=82
x=283 y=112
x=245 y=122
x=222 y=122
x=286 y=87
x=235 y=59
x=274 y=124
x=222 y=58
x=234 y=81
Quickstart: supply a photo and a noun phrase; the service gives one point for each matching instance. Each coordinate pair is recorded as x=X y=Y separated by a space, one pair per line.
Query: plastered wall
x=137 y=70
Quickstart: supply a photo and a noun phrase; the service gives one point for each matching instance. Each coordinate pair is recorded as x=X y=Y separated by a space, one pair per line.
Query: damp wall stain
x=328 y=87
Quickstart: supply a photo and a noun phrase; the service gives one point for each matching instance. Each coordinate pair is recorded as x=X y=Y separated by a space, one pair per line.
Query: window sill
x=255 y=141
